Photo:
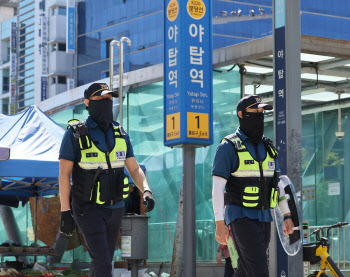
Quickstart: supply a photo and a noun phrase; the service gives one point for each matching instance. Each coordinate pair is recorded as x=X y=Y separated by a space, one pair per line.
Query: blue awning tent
x=32 y=170
x=33 y=167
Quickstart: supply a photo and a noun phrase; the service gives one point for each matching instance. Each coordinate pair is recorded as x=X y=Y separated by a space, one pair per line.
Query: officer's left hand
x=148 y=201
x=67 y=223
x=288 y=227
x=218 y=258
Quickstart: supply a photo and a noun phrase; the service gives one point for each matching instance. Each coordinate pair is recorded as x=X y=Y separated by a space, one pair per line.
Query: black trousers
x=100 y=228
x=252 y=239
x=229 y=271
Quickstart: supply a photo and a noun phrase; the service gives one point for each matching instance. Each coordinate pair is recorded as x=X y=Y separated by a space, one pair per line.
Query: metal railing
x=339 y=249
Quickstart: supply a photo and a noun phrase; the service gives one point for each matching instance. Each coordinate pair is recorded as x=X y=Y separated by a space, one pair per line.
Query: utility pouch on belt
x=112 y=188
x=95 y=185
x=274 y=191
x=104 y=193
x=250 y=196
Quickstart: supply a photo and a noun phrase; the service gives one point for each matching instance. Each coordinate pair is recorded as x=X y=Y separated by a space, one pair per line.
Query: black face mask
x=101 y=112
x=252 y=125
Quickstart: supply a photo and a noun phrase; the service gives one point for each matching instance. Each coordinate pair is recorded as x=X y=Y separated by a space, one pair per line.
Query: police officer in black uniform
x=245 y=188
x=95 y=152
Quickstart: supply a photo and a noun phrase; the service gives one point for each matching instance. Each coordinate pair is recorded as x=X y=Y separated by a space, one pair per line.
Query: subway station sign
x=188 y=97
x=280 y=84
x=280 y=108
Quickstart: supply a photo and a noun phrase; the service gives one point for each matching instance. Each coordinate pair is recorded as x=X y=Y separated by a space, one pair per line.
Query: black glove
x=148 y=200
x=67 y=223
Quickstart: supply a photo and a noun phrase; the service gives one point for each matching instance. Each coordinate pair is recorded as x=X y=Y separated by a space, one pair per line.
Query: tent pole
x=35 y=219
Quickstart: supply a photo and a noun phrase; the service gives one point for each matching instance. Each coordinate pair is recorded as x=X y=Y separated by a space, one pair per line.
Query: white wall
x=60 y=62
x=6 y=13
x=57 y=28
x=56 y=89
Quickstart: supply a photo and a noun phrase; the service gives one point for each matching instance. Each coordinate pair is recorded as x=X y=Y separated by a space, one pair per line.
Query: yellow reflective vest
x=99 y=176
x=253 y=184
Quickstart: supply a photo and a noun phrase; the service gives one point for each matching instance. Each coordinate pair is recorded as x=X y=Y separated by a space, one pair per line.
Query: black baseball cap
x=253 y=102
x=96 y=89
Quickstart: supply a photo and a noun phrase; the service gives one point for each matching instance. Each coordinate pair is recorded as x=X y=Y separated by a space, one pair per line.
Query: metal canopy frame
x=258 y=53
x=27 y=186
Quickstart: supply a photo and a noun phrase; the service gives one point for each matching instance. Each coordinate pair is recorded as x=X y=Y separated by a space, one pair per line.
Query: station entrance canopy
x=325 y=70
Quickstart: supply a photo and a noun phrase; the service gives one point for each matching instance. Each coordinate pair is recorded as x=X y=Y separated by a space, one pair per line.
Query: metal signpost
x=188 y=99
x=287 y=97
x=121 y=71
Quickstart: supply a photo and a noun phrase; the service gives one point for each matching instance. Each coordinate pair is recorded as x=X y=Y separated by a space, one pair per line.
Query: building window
x=59 y=80
x=59 y=46
x=62 y=11
x=108 y=41
x=62 y=47
x=8 y=52
x=5 y=106
x=58 y=11
x=5 y=84
x=62 y=80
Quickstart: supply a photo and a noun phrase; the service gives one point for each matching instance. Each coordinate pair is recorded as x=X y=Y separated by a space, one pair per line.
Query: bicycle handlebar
x=316 y=231
x=337 y=225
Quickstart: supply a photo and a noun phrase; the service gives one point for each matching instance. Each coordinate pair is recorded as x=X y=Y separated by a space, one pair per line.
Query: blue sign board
x=280 y=98
x=43 y=88
x=280 y=109
x=70 y=27
x=188 y=97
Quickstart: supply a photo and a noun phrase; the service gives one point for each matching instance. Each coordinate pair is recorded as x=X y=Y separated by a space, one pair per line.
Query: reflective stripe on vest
x=249 y=167
x=98 y=201
x=126 y=188
x=93 y=157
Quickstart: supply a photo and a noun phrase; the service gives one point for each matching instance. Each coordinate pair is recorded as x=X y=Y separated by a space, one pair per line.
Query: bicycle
x=318 y=252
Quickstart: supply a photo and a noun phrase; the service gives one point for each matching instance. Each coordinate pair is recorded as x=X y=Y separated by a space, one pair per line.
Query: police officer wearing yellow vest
x=95 y=152
x=246 y=166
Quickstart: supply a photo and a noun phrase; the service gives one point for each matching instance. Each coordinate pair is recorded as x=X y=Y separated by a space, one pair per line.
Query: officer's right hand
x=67 y=223
x=221 y=233
x=148 y=201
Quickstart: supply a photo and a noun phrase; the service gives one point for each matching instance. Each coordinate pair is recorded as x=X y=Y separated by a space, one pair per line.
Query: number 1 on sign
x=172 y=126
x=198 y=125
x=197 y=117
